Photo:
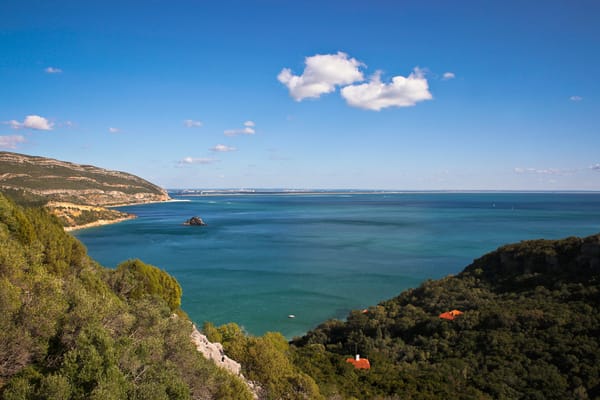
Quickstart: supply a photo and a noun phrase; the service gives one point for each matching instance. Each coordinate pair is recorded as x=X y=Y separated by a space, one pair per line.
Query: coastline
x=373 y=192
x=139 y=203
x=100 y=222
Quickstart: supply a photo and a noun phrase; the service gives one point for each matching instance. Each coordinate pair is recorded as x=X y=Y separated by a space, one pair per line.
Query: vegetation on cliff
x=71 y=329
x=530 y=330
x=267 y=360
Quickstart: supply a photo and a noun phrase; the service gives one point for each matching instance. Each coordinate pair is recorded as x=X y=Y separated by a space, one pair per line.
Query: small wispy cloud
x=114 y=130
x=448 y=75
x=248 y=129
x=400 y=92
x=575 y=98
x=557 y=171
x=11 y=141
x=545 y=171
x=53 y=70
x=190 y=123
x=221 y=148
x=193 y=160
x=31 y=122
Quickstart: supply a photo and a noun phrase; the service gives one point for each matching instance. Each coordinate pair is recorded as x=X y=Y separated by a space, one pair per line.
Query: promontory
x=77 y=194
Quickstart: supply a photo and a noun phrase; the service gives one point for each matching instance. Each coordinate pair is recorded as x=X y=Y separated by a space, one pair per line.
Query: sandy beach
x=100 y=222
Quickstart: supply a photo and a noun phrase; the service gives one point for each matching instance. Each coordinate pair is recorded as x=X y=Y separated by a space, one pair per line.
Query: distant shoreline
x=170 y=200
x=101 y=222
x=212 y=193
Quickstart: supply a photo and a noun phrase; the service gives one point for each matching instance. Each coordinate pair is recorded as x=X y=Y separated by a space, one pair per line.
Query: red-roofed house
x=450 y=315
x=359 y=363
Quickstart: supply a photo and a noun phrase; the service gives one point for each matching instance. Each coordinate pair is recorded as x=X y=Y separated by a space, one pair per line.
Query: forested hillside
x=530 y=329
x=71 y=329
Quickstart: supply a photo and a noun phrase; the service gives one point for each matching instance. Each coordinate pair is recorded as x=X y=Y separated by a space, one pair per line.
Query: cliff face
x=61 y=181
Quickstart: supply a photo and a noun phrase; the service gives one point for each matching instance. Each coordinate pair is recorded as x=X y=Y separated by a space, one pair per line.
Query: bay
x=317 y=256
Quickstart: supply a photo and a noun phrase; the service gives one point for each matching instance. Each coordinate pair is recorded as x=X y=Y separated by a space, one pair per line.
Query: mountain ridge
x=77 y=194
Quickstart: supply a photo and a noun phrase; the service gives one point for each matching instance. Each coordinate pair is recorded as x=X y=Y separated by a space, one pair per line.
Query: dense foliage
x=530 y=330
x=71 y=329
x=266 y=360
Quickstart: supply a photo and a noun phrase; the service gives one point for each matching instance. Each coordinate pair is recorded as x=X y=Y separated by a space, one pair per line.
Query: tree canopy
x=71 y=329
x=529 y=329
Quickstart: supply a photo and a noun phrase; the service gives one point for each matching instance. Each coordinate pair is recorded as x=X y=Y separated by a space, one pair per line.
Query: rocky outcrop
x=214 y=352
x=195 y=221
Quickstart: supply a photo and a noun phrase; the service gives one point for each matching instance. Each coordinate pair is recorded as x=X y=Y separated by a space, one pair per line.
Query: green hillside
x=71 y=329
x=530 y=330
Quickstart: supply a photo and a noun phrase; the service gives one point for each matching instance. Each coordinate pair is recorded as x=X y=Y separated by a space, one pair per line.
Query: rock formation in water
x=195 y=221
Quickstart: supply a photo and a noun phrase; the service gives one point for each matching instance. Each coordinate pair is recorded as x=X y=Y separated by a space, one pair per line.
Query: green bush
x=134 y=279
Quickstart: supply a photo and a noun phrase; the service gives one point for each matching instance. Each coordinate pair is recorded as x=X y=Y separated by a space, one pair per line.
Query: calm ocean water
x=264 y=257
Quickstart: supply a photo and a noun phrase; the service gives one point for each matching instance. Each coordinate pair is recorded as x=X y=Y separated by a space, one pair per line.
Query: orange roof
x=450 y=315
x=361 y=363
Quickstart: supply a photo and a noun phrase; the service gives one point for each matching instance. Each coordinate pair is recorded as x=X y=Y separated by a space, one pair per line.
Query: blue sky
x=438 y=95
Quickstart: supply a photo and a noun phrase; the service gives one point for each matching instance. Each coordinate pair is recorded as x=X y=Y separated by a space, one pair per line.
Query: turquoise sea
x=317 y=256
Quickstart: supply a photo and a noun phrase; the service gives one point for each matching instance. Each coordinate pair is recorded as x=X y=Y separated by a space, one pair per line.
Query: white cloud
x=32 y=122
x=52 y=70
x=192 y=160
x=546 y=171
x=575 y=98
x=595 y=167
x=114 y=130
x=322 y=73
x=14 y=124
x=448 y=75
x=221 y=148
x=190 y=123
x=401 y=92
x=11 y=141
x=248 y=129
x=235 y=132
x=37 y=122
